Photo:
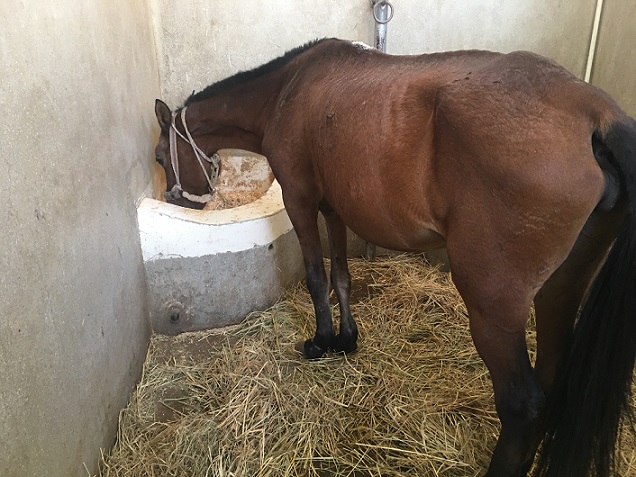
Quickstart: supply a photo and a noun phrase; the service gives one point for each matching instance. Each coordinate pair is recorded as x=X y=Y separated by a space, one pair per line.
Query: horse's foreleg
x=305 y=224
x=346 y=341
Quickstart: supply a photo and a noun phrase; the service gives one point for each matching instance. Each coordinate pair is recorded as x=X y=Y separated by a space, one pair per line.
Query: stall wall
x=77 y=82
x=200 y=42
x=614 y=67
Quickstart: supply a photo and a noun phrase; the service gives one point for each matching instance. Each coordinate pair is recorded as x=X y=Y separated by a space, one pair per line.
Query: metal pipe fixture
x=382 y=14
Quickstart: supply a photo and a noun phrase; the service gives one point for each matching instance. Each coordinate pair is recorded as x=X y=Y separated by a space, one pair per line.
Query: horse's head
x=191 y=168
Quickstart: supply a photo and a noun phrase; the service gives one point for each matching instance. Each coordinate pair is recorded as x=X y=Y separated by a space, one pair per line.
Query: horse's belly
x=396 y=234
x=393 y=217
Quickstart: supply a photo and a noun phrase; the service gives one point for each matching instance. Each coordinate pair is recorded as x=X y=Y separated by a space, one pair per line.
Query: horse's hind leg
x=558 y=300
x=499 y=336
x=498 y=303
x=340 y=279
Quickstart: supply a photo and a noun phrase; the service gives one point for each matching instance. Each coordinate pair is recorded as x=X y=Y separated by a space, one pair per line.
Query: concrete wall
x=200 y=42
x=559 y=29
x=77 y=82
x=614 y=67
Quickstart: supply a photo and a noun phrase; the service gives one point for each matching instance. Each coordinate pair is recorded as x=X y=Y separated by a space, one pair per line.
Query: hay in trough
x=414 y=400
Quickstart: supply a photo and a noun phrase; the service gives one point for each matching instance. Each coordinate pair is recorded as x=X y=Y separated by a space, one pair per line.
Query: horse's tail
x=593 y=390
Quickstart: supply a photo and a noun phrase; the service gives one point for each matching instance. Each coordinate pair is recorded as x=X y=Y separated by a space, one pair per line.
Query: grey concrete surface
x=200 y=42
x=614 y=67
x=188 y=294
x=77 y=83
x=559 y=29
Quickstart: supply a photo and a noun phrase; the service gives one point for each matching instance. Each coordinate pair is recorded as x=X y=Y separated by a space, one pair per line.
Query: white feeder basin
x=210 y=268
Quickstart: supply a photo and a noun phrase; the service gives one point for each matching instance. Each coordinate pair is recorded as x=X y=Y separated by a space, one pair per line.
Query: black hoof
x=345 y=346
x=310 y=350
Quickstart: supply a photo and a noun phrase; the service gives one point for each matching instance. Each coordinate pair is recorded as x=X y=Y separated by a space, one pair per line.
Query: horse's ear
x=164 y=115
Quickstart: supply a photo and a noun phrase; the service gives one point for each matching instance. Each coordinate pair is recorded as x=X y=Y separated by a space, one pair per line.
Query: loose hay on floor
x=414 y=400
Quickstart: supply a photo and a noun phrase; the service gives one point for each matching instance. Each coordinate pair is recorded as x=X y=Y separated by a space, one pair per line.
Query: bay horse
x=526 y=174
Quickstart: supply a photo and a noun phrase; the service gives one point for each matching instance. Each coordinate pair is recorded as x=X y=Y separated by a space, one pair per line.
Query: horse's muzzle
x=174 y=194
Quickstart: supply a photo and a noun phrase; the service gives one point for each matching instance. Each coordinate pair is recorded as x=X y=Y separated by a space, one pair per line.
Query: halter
x=177 y=190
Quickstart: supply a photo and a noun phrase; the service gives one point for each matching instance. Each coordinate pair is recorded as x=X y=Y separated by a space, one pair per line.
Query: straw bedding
x=414 y=400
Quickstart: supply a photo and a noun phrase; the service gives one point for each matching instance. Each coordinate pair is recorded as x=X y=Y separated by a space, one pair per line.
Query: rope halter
x=177 y=191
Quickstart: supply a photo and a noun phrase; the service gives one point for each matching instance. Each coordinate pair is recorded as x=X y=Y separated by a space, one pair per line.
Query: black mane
x=249 y=75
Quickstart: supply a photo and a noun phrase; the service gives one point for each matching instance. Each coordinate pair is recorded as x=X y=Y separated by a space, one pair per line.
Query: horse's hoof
x=345 y=346
x=310 y=350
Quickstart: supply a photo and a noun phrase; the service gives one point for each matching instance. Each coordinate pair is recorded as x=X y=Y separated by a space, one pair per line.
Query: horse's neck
x=245 y=107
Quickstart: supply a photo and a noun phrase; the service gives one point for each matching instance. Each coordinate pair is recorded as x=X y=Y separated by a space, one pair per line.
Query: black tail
x=593 y=392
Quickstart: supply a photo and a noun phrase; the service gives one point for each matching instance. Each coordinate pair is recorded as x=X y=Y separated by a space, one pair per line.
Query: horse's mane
x=245 y=76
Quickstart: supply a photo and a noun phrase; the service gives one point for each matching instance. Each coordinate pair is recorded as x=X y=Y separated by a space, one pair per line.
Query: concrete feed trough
x=211 y=268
